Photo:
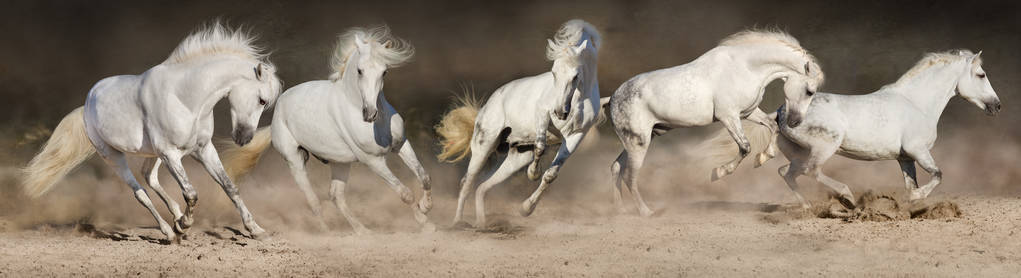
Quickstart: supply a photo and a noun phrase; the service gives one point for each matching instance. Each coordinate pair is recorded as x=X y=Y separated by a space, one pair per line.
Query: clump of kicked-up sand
x=871 y=206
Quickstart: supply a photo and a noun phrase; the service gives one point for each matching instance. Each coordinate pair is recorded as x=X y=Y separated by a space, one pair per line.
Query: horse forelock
x=215 y=39
x=570 y=34
x=386 y=48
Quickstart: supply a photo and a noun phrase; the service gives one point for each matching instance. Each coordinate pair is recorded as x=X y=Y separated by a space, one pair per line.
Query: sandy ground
x=744 y=225
x=698 y=238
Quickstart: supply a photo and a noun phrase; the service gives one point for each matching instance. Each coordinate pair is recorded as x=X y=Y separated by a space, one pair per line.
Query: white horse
x=344 y=120
x=898 y=122
x=725 y=84
x=164 y=114
x=519 y=114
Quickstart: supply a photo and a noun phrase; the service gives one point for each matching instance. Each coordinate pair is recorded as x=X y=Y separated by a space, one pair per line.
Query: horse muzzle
x=993 y=108
x=794 y=120
x=243 y=135
x=369 y=116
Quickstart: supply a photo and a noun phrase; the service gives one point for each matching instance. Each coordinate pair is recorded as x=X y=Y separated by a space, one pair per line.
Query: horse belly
x=877 y=147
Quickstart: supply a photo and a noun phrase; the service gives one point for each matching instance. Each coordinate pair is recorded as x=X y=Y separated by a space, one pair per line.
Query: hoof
x=761 y=159
x=182 y=225
x=847 y=201
x=645 y=212
x=174 y=240
x=428 y=227
x=533 y=171
x=718 y=173
x=362 y=231
x=407 y=196
x=259 y=234
x=527 y=208
x=461 y=225
x=426 y=203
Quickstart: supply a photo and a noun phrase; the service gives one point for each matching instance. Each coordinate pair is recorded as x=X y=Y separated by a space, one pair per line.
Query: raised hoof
x=533 y=171
x=718 y=173
x=428 y=227
x=761 y=159
x=527 y=208
x=407 y=196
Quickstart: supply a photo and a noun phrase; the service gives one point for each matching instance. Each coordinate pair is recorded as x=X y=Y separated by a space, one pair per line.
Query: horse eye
x=359 y=71
x=384 y=72
x=982 y=75
x=262 y=101
x=810 y=93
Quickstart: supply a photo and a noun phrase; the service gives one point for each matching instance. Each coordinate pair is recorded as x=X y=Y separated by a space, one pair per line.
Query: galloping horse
x=897 y=122
x=164 y=114
x=517 y=117
x=725 y=84
x=341 y=121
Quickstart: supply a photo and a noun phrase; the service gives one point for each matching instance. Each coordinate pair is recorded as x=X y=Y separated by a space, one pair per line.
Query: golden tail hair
x=239 y=160
x=67 y=147
x=456 y=128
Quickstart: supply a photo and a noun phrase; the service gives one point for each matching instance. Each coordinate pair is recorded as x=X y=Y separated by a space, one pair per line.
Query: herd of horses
x=166 y=113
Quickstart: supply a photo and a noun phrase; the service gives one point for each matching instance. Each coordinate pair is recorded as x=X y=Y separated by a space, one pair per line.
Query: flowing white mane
x=216 y=39
x=392 y=51
x=936 y=58
x=773 y=36
x=570 y=34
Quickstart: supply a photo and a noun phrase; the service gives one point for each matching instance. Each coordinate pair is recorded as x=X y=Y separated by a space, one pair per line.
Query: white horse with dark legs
x=725 y=84
x=898 y=122
x=165 y=114
x=341 y=121
x=517 y=117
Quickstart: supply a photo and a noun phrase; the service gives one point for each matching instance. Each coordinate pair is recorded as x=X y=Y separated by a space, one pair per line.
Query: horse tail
x=456 y=128
x=67 y=147
x=239 y=160
x=721 y=148
x=604 y=104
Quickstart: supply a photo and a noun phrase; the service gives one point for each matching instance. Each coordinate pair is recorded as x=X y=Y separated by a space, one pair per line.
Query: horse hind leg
x=338 y=184
x=636 y=144
x=482 y=146
x=150 y=169
x=615 y=188
x=117 y=160
x=513 y=162
x=295 y=158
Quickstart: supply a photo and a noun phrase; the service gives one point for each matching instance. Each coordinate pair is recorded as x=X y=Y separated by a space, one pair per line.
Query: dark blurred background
x=54 y=51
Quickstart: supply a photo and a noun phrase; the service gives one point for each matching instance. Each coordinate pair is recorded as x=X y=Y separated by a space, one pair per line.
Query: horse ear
x=580 y=48
x=258 y=72
x=808 y=67
x=551 y=44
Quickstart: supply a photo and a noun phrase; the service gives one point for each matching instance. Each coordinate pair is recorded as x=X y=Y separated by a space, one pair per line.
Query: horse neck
x=774 y=62
x=590 y=68
x=217 y=76
x=931 y=89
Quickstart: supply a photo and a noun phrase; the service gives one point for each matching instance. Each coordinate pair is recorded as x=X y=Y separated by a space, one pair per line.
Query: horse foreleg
x=117 y=160
x=566 y=149
x=211 y=160
x=540 y=144
x=925 y=160
x=763 y=119
x=378 y=166
x=407 y=154
x=191 y=197
x=338 y=185
x=150 y=169
x=733 y=126
x=790 y=172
